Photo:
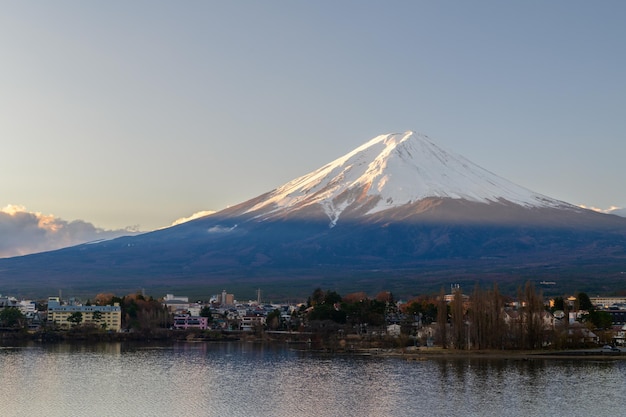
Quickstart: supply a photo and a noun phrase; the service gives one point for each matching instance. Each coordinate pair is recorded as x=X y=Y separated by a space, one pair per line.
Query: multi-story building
x=607 y=302
x=191 y=322
x=250 y=321
x=618 y=315
x=177 y=304
x=109 y=317
x=27 y=307
x=227 y=299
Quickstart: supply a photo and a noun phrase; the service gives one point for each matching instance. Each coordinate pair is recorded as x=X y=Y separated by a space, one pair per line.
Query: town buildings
x=570 y=324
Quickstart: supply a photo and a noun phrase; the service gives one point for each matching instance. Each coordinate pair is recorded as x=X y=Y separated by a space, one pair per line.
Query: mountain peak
x=389 y=171
x=406 y=212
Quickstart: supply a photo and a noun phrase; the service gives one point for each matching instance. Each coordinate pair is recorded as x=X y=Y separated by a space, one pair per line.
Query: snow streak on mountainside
x=393 y=170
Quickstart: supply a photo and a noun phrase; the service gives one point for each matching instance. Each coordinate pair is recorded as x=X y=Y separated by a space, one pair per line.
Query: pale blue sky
x=140 y=112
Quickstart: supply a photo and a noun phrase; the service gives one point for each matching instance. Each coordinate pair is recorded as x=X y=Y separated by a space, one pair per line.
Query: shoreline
x=8 y=339
x=440 y=353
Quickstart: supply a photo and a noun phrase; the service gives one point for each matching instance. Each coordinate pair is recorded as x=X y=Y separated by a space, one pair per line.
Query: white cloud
x=618 y=211
x=194 y=216
x=23 y=232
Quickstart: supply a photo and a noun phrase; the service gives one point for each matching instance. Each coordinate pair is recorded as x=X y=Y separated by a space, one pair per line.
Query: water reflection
x=245 y=379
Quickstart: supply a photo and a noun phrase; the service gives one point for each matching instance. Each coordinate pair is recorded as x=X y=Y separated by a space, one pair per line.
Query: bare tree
x=442 y=319
x=486 y=315
x=497 y=326
x=479 y=317
x=531 y=317
x=458 y=319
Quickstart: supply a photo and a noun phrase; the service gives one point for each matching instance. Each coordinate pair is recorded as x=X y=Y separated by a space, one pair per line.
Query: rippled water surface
x=238 y=379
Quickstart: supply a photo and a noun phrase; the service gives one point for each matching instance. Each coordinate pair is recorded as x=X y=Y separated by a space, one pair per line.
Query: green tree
x=206 y=312
x=273 y=319
x=328 y=312
x=316 y=298
x=326 y=306
x=365 y=312
x=12 y=317
x=601 y=319
x=423 y=308
x=75 y=318
x=331 y=297
x=559 y=304
x=96 y=316
x=584 y=302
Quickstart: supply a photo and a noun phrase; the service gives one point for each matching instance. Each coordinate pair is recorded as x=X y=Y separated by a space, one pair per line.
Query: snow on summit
x=392 y=170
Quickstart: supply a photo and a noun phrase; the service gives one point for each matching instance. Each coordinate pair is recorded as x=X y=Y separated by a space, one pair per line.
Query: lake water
x=245 y=379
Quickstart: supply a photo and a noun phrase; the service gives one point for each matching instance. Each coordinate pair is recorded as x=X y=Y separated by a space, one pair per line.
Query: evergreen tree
x=584 y=302
x=12 y=317
x=75 y=318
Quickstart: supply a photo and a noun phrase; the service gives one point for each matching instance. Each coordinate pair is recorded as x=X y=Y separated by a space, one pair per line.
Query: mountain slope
x=391 y=171
x=398 y=213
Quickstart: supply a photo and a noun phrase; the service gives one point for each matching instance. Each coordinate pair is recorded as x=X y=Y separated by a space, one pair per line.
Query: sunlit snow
x=397 y=169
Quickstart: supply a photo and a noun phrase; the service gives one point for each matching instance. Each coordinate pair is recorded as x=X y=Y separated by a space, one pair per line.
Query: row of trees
x=484 y=320
x=484 y=323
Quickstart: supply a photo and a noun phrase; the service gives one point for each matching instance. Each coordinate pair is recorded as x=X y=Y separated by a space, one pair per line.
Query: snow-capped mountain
x=404 y=214
x=392 y=171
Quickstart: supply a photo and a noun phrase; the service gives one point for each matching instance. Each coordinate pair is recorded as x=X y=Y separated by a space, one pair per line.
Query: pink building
x=191 y=322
